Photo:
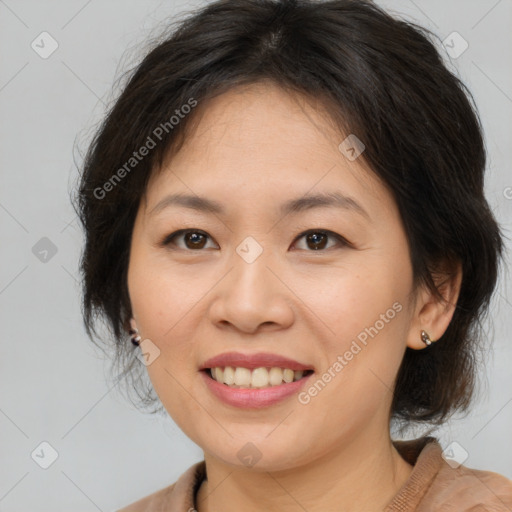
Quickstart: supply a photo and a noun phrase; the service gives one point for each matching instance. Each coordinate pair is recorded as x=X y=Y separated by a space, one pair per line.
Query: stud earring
x=426 y=338
x=135 y=336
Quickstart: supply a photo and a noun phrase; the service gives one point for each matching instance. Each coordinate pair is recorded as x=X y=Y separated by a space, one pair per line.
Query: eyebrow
x=300 y=204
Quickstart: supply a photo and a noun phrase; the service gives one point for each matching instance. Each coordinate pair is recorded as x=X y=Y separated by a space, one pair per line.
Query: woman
x=285 y=210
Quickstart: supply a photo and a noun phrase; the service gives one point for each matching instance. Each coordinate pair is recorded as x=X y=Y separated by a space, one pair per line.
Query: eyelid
x=331 y=234
x=167 y=240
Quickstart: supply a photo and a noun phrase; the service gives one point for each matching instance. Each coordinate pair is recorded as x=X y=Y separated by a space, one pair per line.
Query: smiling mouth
x=257 y=378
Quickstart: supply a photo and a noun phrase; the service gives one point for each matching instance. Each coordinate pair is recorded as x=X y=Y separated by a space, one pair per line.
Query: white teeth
x=288 y=375
x=275 y=376
x=258 y=378
x=227 y=376
x=218 y=374
x=242 y=377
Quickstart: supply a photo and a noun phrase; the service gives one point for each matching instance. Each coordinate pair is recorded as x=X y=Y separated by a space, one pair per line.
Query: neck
x=364 y=475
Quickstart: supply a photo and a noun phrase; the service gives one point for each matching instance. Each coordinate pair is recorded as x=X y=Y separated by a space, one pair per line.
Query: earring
x=135 y=337
x=426 y=338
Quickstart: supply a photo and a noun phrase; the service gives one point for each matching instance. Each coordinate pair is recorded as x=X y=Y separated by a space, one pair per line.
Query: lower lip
x=253 y=398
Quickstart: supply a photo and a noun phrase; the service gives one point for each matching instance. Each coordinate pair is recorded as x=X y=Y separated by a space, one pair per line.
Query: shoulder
x=150 y=503
x=469 y=490
x=439 y=484
x=178 y=496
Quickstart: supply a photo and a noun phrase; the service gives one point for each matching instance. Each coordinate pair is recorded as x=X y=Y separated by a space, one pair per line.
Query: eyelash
x=168 y=239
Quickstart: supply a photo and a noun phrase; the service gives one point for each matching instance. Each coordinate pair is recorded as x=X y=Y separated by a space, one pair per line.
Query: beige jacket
x=433 y=486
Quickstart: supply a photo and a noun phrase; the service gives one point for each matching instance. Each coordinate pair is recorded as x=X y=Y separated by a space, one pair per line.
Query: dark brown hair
x=380 y=78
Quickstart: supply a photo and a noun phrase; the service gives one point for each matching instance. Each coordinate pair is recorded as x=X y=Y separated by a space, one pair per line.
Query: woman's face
x=246 y=280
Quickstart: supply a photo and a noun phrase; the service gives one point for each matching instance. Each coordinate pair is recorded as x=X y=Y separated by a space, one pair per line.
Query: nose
x=253 y=296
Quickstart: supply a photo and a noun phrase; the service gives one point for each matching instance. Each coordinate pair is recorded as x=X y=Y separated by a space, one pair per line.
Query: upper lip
x=251 y=361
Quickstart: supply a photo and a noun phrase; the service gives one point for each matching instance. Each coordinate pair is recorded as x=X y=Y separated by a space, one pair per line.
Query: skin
x=252 y=149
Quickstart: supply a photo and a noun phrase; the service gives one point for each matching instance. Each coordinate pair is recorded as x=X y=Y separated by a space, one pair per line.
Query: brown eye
x=193 y=239
x=317 y=240
x=196 y=240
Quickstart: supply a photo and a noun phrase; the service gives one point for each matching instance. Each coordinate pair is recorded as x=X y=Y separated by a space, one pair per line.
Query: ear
x=133 y=325
x=433 y=314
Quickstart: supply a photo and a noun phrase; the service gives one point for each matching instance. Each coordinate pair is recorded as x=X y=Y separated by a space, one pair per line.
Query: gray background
x=53 y=382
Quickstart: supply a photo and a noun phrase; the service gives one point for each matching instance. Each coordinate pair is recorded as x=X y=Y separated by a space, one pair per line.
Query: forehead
x=259 y=142
x=260 y=118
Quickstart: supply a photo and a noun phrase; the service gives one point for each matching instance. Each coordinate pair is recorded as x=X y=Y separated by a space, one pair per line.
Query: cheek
x=344 y=299
x=363 y=315
x=163 y=303
x=167 y=303
x=160 y=294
